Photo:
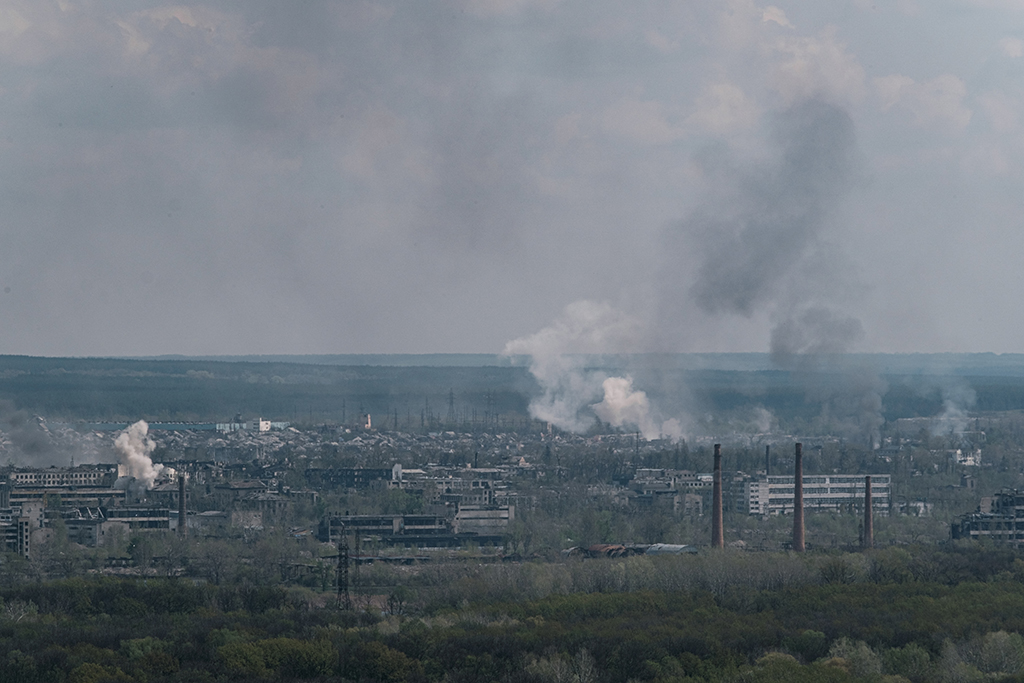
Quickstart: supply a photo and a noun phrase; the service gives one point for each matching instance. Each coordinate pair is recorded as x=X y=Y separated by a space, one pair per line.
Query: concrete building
x=16 y=531
x=140 y=517
x=383 y=526
x=484 y=519
x=774 y=495
x=999 y=519
x=93 y=476
x=352 y=477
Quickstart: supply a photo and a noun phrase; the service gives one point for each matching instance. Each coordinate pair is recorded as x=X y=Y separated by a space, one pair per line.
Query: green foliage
x=1001 y=653
x=243 y=660
x=776 y=667
x=861 y=660
x=301 y=659
x=910 y=661
x=714 y=617
x=95 y=673
x=377 y=662
x=810 y=645
x=287 y=658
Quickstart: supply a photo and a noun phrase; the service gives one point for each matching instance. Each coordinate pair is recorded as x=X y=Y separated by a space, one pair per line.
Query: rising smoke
x=134 y=447
x=764 y=220
x=558 y=364
x=957 y=399
x=812 y=344
x=624 y=406
x=765 y=250
x=759 y=240
x=30 y=441
x=574 y=395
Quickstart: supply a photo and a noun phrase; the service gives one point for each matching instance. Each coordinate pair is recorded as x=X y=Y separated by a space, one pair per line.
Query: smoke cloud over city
x=760 y=241
x=507 y=158
x=134 y=448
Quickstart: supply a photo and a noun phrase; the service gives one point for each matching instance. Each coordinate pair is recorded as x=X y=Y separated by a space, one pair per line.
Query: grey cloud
x=780 y=210
x=814 y=332
x=176 y=159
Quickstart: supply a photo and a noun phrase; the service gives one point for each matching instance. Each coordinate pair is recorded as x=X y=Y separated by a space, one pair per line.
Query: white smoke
x=762 y=420
x=133 y=447
x=570 y=389
x=558 y=366
x=762 y=247
x=624 y=406
x=957 y=400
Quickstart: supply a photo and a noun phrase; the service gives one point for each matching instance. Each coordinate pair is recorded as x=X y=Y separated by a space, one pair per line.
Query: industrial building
x=999 y=519
x=774 y=495
x=424 y=531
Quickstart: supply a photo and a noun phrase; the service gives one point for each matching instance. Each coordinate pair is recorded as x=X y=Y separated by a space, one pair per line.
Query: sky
x=470 y=175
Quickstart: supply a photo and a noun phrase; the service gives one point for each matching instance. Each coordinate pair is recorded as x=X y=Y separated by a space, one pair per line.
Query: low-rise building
x=774 y=495
x=484 y=519
x=92 y=476
x=999 y=519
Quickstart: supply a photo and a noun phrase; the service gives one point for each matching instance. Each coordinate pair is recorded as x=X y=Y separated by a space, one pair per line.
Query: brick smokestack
x=767 y=461
x=717 y=533
x=182 y=510
x=869 y=522
x=798 y=500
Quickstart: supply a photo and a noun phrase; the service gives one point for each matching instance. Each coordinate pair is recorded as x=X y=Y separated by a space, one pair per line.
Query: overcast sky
x=446 y=176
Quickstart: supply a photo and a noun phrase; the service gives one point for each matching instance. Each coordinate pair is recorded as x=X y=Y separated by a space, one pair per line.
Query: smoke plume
x=754 y=236
x=812 y=343
x=28 y=440
x=557 y=363
x=763 y=249
x=957 y=400
x=624 y=406
x=133 y=447
x=574 y=395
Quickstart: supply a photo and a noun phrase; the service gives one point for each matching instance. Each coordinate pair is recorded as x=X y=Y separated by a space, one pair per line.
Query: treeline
x=893 y=615
x=114 y=389
x=205 y=390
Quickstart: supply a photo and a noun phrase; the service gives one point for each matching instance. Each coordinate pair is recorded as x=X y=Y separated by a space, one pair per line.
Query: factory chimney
x=182 y=510
x=869 y=531
x=717 y=535
x=767 y=461
x=798 y=500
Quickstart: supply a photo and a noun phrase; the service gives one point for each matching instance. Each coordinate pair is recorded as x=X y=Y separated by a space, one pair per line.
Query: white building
x=774 y=495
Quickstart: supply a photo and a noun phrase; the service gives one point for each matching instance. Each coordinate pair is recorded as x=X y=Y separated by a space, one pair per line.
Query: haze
x=416 y=177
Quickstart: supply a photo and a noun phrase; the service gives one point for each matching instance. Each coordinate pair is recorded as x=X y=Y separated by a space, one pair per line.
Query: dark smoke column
x=869 y=531
x=717 y=534
x=798 y=500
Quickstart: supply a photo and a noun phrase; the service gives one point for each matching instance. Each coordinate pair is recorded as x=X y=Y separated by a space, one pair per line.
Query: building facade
x=774 y=495
x=999 y=519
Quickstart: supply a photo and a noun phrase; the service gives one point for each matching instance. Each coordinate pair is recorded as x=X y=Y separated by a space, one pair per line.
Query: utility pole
x=355 y=561
x=344 y=599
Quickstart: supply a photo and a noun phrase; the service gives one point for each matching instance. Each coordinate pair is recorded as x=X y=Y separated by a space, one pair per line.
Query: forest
x=894 y=614
x=417 y=396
